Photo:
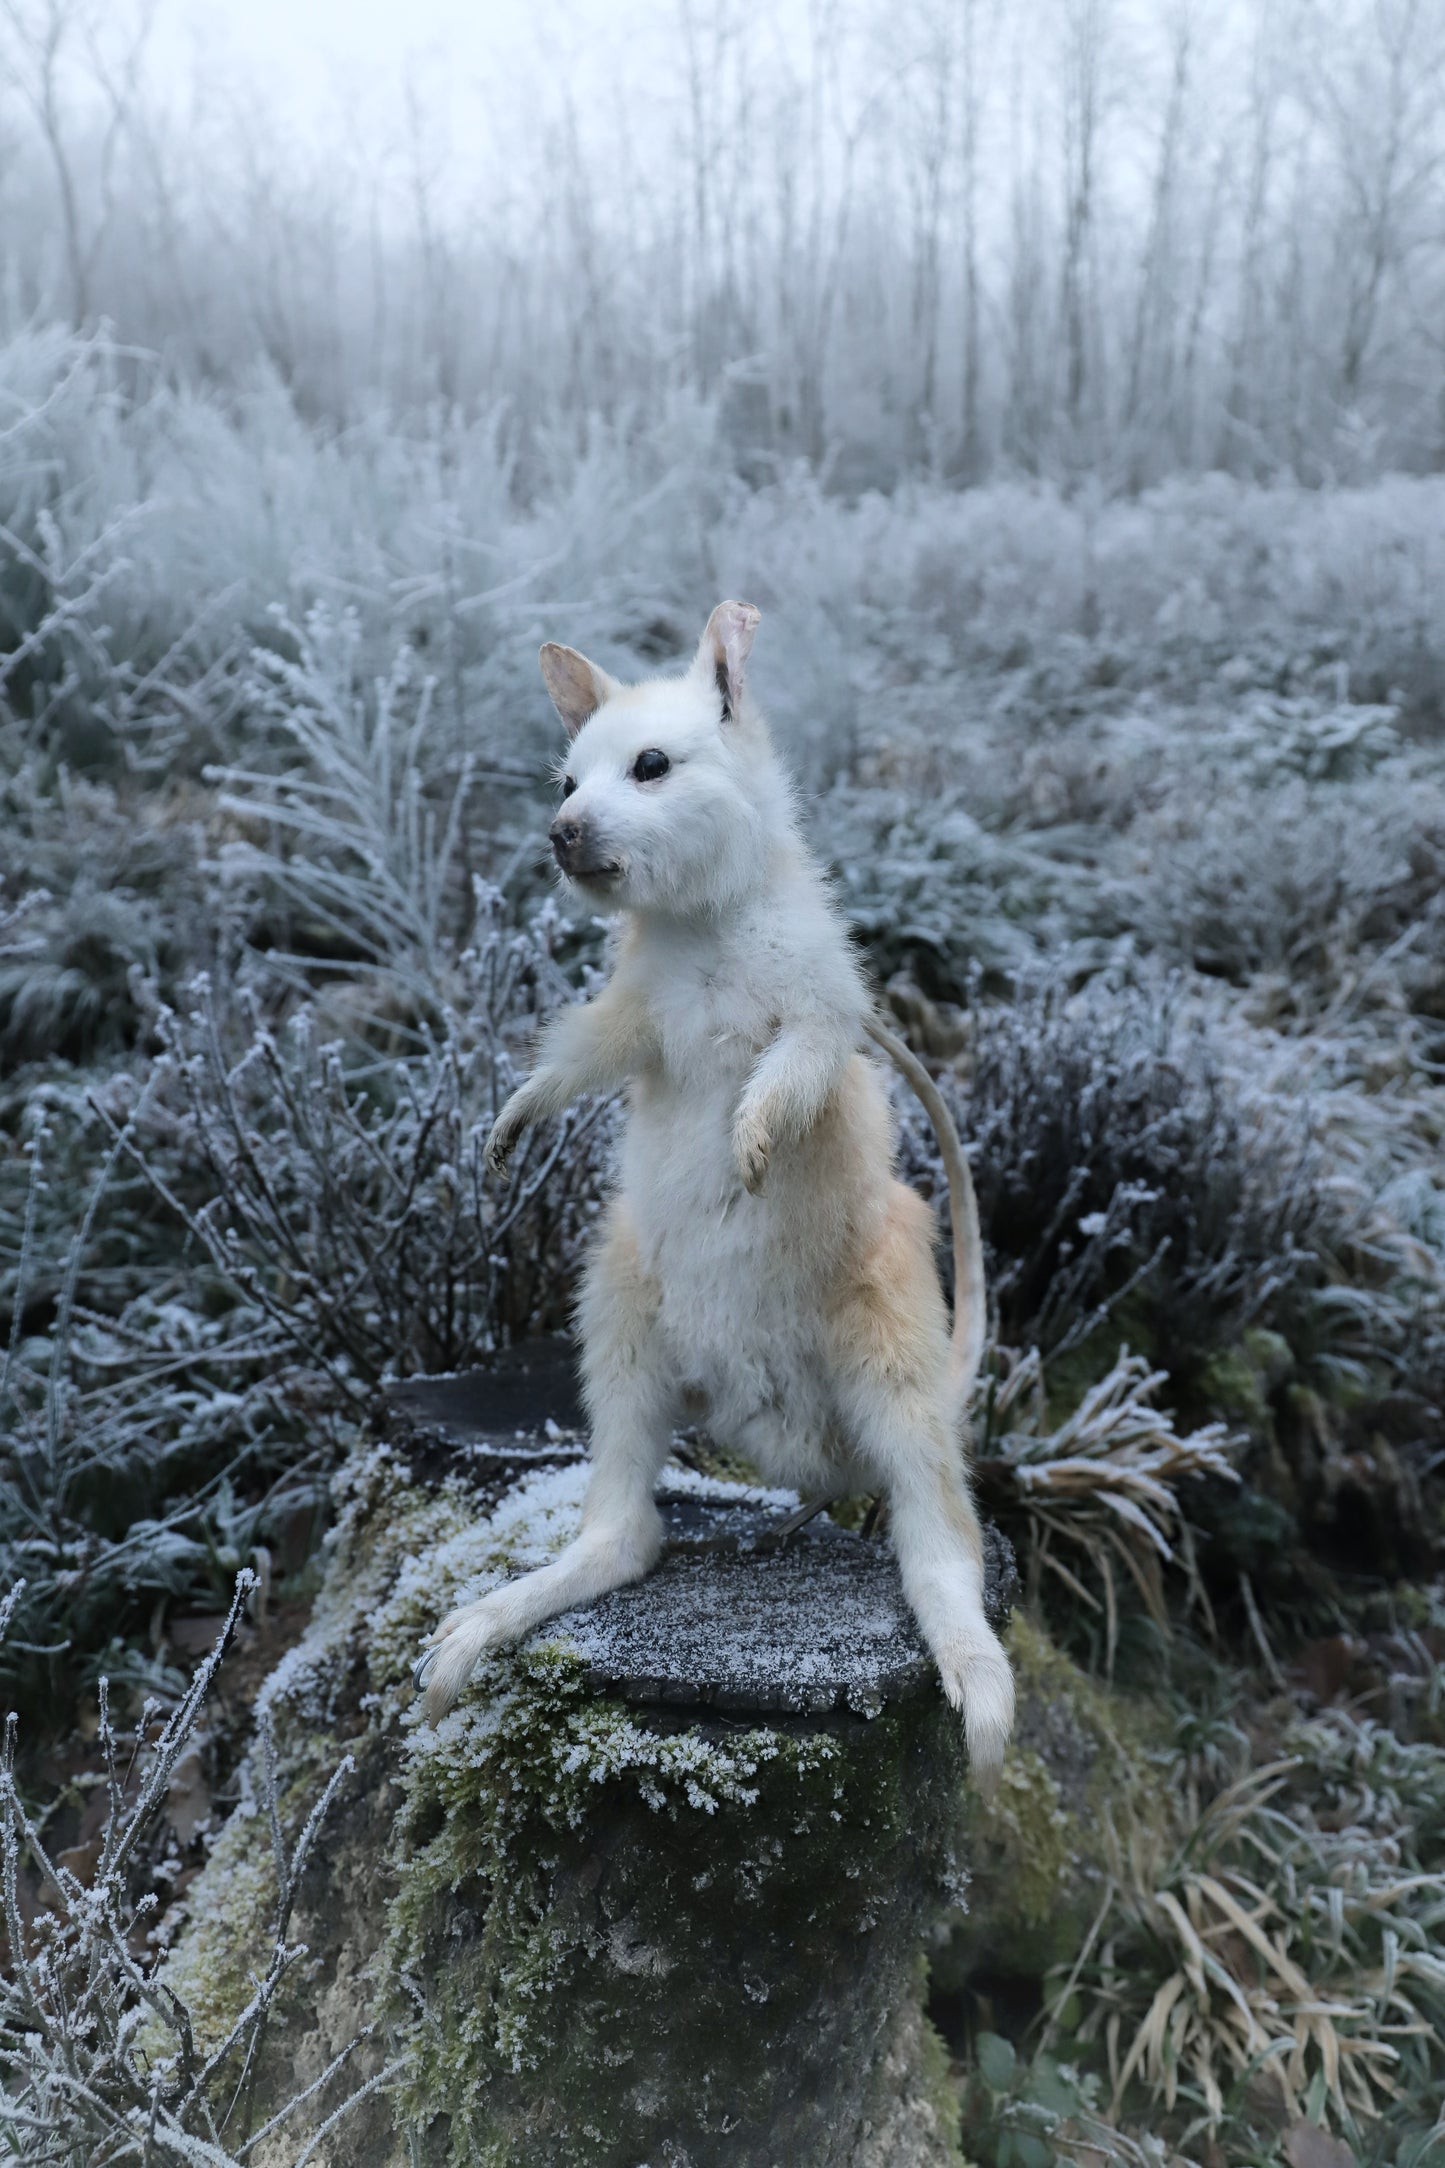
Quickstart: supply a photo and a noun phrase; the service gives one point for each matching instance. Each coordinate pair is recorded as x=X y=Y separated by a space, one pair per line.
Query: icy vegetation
x=100 y=2056
x=1138 y=805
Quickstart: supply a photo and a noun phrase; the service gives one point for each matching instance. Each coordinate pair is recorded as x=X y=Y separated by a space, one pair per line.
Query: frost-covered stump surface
x=737 y=1621
x=657 y=1890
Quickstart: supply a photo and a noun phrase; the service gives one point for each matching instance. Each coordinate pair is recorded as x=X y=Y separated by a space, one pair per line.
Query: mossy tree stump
x=658 y=1890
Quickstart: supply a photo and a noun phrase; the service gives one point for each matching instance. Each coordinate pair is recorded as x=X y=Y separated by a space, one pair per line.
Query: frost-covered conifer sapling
x=759 y=1265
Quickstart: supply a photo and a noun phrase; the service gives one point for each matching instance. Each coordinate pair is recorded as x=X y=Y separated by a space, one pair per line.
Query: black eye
x=569 y=784
x=650 y=765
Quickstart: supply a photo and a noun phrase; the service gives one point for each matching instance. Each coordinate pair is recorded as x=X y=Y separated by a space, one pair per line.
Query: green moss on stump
x=1037 y=1848
x=602 y=1933
x=637 y=1936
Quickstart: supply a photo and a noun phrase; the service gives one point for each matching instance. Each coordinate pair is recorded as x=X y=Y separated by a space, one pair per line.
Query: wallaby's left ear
x=578 y=687
x=725 y=648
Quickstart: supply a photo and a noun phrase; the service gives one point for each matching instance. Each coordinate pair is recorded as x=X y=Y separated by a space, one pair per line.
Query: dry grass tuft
x=1257 y=1945
x=1104 y=1486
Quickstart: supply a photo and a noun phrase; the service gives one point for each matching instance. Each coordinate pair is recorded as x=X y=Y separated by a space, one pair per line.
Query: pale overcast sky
x=320 y=60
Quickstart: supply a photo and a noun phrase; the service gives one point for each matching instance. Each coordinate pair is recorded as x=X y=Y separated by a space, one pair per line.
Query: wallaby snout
x=575 y=848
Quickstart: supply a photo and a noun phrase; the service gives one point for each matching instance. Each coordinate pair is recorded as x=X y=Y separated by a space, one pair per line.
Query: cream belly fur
x=749 y=1286
x=759 y=1259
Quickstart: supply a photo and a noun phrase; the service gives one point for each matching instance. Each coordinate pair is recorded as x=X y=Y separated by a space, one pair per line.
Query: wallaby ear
x=726 y=646
x=577 y=686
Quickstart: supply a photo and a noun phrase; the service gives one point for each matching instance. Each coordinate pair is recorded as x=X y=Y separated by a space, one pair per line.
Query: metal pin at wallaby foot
x=799 y=1518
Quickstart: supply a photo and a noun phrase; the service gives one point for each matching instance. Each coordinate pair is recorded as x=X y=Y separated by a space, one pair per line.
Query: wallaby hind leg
x=631 y=1394
x=940 y=1557
x=939 y=1547
x=891 y=1340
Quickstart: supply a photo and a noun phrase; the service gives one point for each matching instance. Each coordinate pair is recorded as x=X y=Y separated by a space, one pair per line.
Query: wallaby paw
x=751 y=1146
x=976 y=1678
x=453 y=1652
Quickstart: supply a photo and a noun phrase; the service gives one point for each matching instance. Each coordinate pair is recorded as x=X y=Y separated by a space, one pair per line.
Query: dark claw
x=422 y=1668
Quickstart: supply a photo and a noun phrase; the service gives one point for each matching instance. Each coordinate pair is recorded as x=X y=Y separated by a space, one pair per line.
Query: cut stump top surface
x=736 y=1618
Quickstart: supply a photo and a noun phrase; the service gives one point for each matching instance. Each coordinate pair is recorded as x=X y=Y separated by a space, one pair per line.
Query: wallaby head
x=672 y=798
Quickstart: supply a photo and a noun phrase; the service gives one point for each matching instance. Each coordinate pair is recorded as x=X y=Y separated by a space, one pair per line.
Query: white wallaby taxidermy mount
x=759 y=1262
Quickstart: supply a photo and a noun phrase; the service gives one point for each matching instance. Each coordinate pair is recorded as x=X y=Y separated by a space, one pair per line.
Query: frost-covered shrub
x=1121 y=1174
x=144 y=1455
x=1071 y=593
x=148 y=530
x=114 y=642
x=347 y=1199
x=102 y=907
x=1276 y=738
x=315 y=1124
x=345 y=1193
x=347 y=856
x=1325 y=889
x=65 y=976
x=99 y=2057
x=931 y=891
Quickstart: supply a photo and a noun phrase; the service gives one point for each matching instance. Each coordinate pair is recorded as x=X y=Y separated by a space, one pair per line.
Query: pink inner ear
x=732 y=626
x=573 y=683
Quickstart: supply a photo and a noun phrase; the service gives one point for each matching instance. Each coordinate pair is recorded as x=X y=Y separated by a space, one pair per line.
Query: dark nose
x=566 y=834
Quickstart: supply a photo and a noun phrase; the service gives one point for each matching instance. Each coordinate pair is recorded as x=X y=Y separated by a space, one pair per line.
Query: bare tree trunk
x=1188 y=396
x=1151 y=337
x=1264 y=91
x=707 y=46
x=43 y=44
x=1085 y=38
x=432 y=250
x=933 y=137
x=822 y=40
x=1026 y=281
x=971 y=114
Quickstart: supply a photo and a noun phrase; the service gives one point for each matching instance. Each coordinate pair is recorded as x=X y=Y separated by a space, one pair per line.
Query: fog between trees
x=1069 y=236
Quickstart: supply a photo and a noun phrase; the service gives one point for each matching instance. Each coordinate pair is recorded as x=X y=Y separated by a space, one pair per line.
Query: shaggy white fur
x=759 y=1261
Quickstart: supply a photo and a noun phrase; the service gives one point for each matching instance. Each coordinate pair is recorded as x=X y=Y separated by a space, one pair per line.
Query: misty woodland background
x=1066 y=383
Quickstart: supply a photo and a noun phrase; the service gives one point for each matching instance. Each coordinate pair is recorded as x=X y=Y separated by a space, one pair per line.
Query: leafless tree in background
x=51 y=45
x=1085 y=57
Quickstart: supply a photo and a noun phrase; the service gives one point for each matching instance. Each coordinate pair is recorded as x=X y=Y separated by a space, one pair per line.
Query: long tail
x=970 y=1308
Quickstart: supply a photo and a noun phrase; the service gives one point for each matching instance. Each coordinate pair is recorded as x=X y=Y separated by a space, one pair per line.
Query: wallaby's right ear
x=577 y=686
x=727 y=643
